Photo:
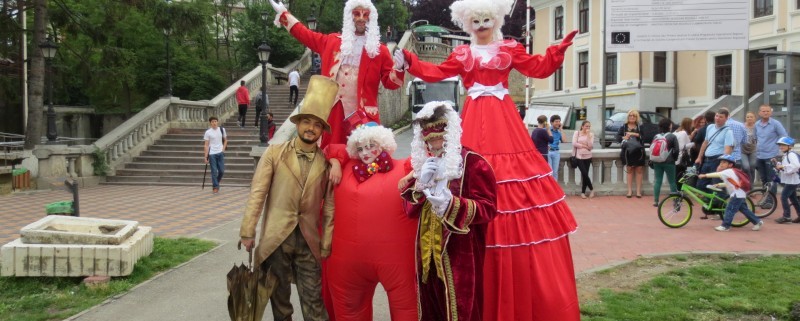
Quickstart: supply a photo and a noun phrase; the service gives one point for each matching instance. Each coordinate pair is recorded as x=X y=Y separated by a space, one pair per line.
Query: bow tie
x=308 y=155
x=381 y=164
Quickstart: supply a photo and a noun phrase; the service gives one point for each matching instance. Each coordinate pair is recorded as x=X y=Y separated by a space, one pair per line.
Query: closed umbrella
x=249 y=290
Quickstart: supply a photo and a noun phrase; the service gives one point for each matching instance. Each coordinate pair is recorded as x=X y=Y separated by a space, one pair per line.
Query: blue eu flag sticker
x=621 y=37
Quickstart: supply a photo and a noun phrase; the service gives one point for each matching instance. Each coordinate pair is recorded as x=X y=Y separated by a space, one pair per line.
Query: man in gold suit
x=293 y=240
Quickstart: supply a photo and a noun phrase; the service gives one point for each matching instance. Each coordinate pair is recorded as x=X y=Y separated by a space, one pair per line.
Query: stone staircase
x=176 y=159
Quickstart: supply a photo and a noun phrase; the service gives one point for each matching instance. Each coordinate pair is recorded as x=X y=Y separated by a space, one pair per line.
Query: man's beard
x=309 y=141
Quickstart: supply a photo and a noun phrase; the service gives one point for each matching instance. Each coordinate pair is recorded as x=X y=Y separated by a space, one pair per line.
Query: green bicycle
x=676 y=209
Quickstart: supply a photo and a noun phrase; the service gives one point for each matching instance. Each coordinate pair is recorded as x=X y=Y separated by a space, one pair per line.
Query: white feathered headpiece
x=436 y=111
x=349 y=29
x=462 y=13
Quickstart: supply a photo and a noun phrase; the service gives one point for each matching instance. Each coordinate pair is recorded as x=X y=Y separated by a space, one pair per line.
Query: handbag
x=573 y=161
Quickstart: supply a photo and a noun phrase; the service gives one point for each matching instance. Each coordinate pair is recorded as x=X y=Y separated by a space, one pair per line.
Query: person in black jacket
x=668 y=165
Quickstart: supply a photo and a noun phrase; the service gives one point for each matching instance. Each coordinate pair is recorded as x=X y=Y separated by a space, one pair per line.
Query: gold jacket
x=288 y=203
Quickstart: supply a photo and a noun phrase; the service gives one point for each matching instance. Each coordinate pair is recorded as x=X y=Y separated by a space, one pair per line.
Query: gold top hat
x=318 y=101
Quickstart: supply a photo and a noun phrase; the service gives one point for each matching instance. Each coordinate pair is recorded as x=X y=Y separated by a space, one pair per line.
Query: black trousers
x=242 y=114
x=583 y=167
x=258 y=116
x=293 y=91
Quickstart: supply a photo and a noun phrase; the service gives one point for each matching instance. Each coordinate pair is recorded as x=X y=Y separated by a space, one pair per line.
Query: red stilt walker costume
x=355 y=58
x=528 y=269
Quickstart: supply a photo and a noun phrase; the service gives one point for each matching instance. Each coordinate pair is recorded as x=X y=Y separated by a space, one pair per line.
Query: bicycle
x=764 y=199
x=676 y=209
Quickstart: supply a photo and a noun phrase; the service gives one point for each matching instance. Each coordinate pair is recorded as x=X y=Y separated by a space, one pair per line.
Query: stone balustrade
x=607 y=174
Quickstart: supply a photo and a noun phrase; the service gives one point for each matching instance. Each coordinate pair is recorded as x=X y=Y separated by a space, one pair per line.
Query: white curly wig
x=380 y=135
x=452 y=139
x=462 y=12
x=373 y=44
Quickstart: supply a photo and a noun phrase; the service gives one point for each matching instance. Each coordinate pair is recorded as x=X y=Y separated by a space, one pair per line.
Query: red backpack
x=744 y=179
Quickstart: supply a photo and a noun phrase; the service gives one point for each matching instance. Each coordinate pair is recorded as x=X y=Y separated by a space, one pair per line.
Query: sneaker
x=583 y=195
x=783 y=220
x=797 y=220
x=722 y=229
x=655 y=204
x=758 y=225
x=591 y=194
x=216 y=190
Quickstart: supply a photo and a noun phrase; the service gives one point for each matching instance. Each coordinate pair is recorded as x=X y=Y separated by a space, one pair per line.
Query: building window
x=611 y=68
x=660 y=66
x=762 y=8
x=583 y=69
x=722 y=75
x=558 y=79
x=583 y=16
x=558 y=23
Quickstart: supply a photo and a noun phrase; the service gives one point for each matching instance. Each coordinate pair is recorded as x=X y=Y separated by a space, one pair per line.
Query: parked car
x=649 y=126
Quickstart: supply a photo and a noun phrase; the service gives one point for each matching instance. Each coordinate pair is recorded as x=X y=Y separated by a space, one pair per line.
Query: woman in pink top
x=582 y=150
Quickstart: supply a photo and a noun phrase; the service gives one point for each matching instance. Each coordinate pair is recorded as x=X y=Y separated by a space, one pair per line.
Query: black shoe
x=797 y=220
x=783 y=220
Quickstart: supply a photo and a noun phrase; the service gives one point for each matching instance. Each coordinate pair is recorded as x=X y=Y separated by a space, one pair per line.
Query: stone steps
x=176 y=159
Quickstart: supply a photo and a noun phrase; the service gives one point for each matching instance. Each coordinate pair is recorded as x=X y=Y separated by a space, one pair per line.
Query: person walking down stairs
x=243 y=99
x=216 y=141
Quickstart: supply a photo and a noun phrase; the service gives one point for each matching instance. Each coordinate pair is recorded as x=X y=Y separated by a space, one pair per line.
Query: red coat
x=243 y=96
x=371 y=73
x=462 y=241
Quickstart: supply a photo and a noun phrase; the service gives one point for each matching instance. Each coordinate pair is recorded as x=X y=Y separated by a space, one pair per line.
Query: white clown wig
x=452 y=139
x=373 y=44
x=463 y=11
x=371 y=132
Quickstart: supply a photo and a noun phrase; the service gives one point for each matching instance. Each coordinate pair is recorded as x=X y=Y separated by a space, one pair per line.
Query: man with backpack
x=216 y=142
x=663 y=153
x=719 y=141
x=737 y=185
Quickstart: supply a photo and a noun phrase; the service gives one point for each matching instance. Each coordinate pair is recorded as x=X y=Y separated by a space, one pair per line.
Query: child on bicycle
x=788 y=167
x=737 y=201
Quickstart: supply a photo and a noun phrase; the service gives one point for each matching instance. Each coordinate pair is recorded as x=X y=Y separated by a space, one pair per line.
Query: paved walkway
x=612 y=229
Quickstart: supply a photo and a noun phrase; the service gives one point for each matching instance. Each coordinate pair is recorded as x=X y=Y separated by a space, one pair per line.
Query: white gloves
x=279 y=10
x=428 y=173
x=399 y=60
x=439 y=202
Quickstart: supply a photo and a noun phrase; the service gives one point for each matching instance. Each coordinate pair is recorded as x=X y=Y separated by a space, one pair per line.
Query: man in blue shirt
x=553 y=156
x=768 y=130
x=719 y=141
x=739 y=136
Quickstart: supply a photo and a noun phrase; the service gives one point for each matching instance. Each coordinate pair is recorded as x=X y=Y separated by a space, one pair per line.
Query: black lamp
x=49 y=49
x=263 y=56
x=311 y=21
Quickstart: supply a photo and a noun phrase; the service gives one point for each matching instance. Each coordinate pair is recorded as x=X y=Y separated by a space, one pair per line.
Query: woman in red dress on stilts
x=528 y=269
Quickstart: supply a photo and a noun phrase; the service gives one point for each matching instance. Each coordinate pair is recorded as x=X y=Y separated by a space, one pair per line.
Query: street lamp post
x=167 y=32
x=49 y=51
x=263 y=56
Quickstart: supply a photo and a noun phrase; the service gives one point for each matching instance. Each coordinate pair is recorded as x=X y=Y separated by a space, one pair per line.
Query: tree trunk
x=33 y=135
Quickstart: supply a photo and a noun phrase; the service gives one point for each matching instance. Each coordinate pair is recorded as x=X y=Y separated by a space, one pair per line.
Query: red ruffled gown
x=528 y=269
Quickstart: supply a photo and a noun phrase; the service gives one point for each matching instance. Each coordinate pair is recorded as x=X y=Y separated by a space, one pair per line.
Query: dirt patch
x=629 y=276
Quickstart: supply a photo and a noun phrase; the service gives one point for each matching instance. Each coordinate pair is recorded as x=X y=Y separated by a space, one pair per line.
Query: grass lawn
x=695 y=288
x=56 y=298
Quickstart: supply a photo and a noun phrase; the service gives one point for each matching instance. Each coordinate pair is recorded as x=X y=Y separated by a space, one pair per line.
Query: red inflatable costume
x=373 y=241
